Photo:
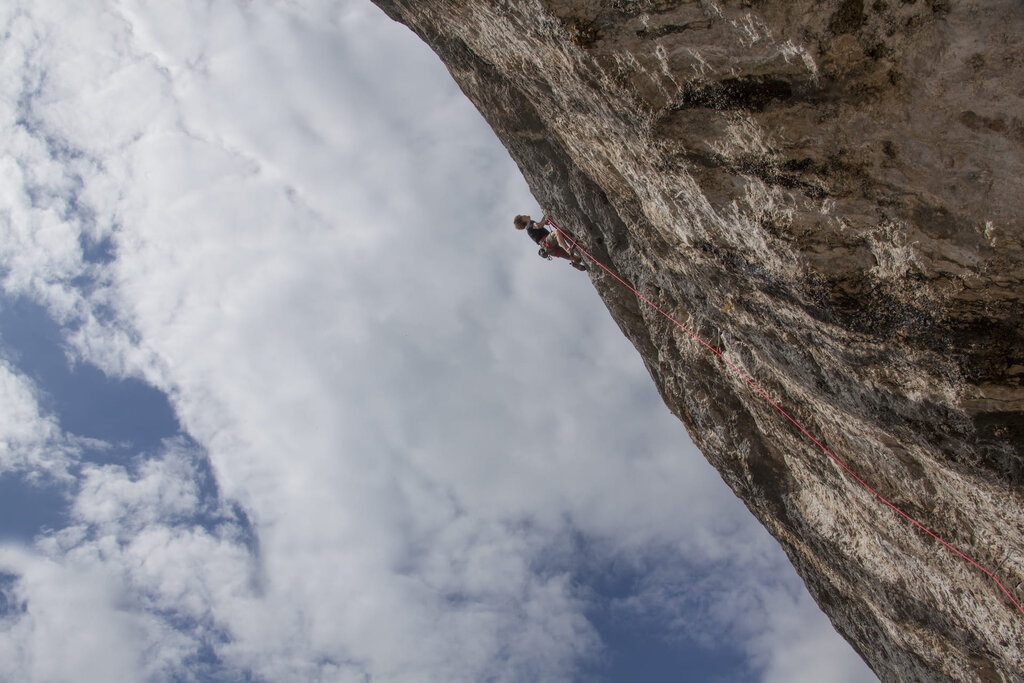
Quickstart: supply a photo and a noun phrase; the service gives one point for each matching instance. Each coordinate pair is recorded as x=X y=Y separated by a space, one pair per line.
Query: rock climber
x=552 y=244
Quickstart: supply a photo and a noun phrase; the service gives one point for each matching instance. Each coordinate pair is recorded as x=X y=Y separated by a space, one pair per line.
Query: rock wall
x=833 y=191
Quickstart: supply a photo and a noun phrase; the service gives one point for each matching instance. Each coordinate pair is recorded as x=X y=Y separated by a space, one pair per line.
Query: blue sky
x=288 y=399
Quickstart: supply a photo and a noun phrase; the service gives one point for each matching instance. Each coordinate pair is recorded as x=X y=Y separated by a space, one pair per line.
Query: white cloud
x=108 y=497
x=31 y=441
x=130 y=590
x=313 y=256
x=69 y=630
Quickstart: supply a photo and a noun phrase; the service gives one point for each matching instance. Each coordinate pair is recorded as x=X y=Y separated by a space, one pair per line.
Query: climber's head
x=521 y=222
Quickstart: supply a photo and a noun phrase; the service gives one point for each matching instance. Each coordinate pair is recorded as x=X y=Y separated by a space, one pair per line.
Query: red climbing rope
x=789 y=417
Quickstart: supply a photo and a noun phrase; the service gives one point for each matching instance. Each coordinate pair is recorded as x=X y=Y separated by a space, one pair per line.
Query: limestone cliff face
x=835 y=188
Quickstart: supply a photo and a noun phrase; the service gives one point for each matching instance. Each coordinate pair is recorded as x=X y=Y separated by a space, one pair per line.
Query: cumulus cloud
x=68 y=629
x=31 y=441
x=129 y=590
x=290 y=220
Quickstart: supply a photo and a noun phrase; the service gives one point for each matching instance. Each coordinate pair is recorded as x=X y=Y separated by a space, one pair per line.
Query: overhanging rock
x=837 y=187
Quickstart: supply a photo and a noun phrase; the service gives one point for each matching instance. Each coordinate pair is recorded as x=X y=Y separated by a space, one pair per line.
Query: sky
x=286 y=398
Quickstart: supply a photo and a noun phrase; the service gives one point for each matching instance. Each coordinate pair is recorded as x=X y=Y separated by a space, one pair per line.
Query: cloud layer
x=412 y=450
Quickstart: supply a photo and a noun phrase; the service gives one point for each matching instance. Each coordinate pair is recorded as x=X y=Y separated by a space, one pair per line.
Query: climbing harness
x=787 y=415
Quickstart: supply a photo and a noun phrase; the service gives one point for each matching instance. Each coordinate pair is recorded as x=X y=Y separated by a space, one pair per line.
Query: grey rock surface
x=833 y=192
